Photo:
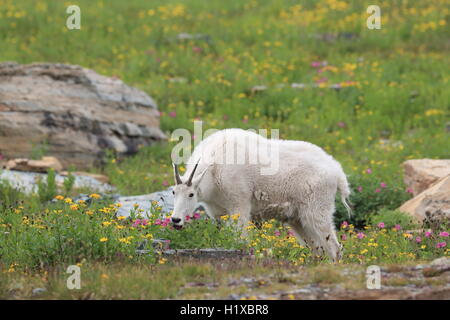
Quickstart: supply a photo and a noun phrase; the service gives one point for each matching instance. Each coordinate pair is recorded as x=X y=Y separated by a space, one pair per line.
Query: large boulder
x=431 y=205
x=419 y=174
x=72 y=112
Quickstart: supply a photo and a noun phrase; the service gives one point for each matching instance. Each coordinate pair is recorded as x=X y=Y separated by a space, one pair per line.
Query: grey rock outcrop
x=75 y=112
x=26 y=182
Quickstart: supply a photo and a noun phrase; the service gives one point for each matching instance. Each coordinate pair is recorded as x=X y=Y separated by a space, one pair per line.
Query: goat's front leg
x=214 y=211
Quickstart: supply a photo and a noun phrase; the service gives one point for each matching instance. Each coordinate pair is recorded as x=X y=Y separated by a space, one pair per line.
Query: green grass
x=393 y=106
x=395 y=109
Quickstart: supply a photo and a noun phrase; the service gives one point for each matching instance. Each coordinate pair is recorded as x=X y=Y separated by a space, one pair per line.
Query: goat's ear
x=199 y=177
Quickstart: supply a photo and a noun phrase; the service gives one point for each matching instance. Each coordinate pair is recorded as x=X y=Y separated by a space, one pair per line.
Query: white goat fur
x=302 y=192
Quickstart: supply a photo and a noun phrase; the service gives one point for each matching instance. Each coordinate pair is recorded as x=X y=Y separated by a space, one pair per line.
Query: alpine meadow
x=373 y=98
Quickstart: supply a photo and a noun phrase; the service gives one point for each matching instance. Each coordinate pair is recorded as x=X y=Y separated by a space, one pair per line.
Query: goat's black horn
x=189 y=182
x=176 y=174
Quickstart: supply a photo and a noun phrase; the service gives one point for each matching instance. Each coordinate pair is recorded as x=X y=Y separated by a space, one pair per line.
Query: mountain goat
x=300 y=193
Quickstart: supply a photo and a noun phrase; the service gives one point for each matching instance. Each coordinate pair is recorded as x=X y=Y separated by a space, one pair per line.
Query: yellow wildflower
x=235 y=216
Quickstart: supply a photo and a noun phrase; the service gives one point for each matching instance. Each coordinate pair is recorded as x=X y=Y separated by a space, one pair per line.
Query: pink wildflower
x=322 y=80
x=196 y=215
x=165 y=222
x=360 y=189
x=428 y=234
x=360 y=235
x=377 y=190
x=136 y=222
x=383 y=185
x=418 y=239
x=381 y=225
x=369 y=171
x=157 y=221
x=398 y=227
x=441 y=244
x=443 y=234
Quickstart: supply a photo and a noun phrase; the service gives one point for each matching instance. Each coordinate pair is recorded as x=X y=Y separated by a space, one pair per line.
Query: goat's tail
x=344 y=189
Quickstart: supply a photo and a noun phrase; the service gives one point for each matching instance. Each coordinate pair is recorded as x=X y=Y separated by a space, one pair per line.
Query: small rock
x=259 y=88
x=38 y=291
x=189 y=36
x=298 y=85
x=43 y=165
x=443 y=261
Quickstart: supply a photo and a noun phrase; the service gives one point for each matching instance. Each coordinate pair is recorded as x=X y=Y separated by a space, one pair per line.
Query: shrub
x=9 y=196
x=47 y=191
x=68 y=183
x=392 y=218
x=369 y=195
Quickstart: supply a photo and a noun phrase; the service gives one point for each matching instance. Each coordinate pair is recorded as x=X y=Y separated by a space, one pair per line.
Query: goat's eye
x=173 y=192
x=191 y=195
